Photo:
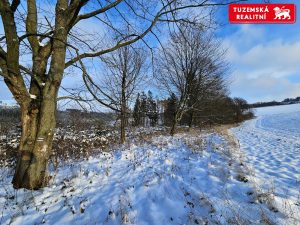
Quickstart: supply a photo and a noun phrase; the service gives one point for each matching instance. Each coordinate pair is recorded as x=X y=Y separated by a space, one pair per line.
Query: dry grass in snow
x=197 y=178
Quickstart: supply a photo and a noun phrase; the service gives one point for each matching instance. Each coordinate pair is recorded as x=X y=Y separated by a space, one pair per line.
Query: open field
x=271 y=143
x=247 y=174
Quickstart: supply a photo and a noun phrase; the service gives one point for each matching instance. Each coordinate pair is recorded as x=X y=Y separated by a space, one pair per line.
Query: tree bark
x=174 y=124
x=177 y=118
x=35 y=146
x=173 y=128
x=123 y=117
x=123 y=105
x=191 y=119
x=38 y=111
x=123 y=121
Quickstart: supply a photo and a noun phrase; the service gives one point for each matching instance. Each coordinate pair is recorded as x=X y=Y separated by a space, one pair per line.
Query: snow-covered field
x=192 y=178
x=271 y=143
x=187 y=179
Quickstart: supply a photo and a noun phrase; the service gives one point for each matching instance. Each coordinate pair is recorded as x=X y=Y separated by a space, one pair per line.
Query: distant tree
x=152 y=109
x=144 y=108
x=170 y=111
x=137 y=111
x=287 y=100
x=265 y=104
x=123 y=75
x=191 y=66
x=240 y=106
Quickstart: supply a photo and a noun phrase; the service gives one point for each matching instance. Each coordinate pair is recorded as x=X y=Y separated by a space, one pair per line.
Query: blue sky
x=265 y=59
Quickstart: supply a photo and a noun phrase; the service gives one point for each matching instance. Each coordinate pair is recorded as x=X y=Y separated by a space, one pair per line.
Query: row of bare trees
x=191 y=66
x=45 y=41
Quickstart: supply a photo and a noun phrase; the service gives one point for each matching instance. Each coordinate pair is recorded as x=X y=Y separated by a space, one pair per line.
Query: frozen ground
x=188 y=179
x=271 y=143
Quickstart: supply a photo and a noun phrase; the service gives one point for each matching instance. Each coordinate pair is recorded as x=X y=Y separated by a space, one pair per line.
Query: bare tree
x=240 y=107
x=44 y=40
x=192 y=67
x=120 y=82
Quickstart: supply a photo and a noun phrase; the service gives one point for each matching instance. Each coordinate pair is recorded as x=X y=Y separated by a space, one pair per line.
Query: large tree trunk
x=174 y=124
x=38 y=126
x=123 y=124
x=177 y=118
x=38 y=115
x=123 y=106
x=173 y=128
x=191 y=120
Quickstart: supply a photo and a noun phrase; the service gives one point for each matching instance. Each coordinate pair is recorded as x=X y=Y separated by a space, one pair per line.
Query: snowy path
x=271 y=143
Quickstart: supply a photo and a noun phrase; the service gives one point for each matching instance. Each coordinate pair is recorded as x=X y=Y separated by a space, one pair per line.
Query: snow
x=184 y=179
x=277 y=109
x=271 y=143
x=32 y=96
x=192 y=178
x=2 y=137
x=41 y=44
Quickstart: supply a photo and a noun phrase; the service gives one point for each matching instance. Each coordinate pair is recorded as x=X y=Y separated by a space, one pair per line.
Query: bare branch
x=14 y=5
x=96 y=12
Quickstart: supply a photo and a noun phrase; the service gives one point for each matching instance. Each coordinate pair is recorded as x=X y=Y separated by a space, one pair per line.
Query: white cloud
x=263 y=88
x=261 y=66
x=245 y=37
x=278 y=57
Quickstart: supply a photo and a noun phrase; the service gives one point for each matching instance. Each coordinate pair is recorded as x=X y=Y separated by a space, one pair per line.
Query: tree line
x=192 y=70
x=224 y=110
x=286 y=101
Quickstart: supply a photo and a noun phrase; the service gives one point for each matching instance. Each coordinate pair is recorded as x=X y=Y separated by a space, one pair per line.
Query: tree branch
x=165 y=10
x=31 y=26
x=96 y=12
x=14 y=5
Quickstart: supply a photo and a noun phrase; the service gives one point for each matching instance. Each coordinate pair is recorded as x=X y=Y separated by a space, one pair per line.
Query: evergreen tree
x=137 y=112
x=170 y=110
x=152 y=109
x=144 y=108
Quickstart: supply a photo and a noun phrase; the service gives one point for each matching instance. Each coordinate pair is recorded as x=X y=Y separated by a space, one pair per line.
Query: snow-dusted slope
x=182 y=180
x=271 y=143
